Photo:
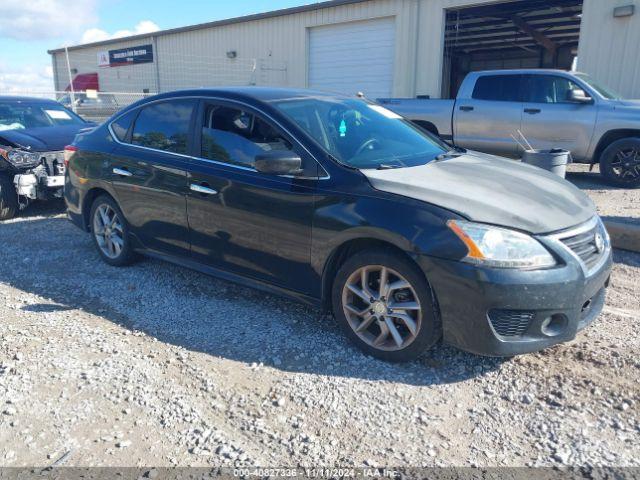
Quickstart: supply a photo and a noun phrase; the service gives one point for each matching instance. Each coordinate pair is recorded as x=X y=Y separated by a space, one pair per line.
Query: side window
x=500 y=88
x=549 y=89
x=235 y=136
x=164 y=125
x=121 y=125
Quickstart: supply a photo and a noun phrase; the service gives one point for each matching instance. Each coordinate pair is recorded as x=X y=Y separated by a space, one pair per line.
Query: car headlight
x=21 y=158
x=500 y=247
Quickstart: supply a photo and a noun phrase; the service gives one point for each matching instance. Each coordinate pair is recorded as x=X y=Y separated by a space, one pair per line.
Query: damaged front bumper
x=43 y=182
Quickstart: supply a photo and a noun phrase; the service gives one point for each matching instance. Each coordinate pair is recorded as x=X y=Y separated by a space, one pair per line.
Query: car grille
x=585 y=247
x=510 y=323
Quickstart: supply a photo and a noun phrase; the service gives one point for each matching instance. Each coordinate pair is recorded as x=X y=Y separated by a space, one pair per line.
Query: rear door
x=149 y=174
x=249 y=223
x=551 y=120
x=486 y=118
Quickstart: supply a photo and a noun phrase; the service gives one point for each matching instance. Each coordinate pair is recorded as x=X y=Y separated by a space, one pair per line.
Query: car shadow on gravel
x=202 y=314
x=590 y=181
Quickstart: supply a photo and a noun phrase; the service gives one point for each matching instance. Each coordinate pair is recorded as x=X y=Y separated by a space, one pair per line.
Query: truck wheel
x=8 y=198
x=385 y=306
x=620 y=163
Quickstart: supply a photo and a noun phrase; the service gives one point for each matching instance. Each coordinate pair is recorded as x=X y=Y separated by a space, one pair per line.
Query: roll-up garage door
x=353 y=57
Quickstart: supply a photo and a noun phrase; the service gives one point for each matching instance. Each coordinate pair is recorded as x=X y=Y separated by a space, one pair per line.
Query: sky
x=31 y=27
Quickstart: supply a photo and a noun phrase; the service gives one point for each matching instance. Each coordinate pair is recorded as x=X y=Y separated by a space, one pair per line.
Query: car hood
x=42 y=139
x=493 y=190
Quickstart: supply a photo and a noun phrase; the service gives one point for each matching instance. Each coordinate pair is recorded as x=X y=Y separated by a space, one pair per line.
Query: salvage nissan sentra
x=341 y=203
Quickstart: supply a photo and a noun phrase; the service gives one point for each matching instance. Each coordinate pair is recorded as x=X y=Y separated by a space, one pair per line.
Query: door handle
x=202 y=189
x=532 y=111
x=466 y=108
x=122 y=172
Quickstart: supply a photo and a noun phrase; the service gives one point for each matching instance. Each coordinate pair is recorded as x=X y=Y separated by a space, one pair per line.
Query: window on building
x=164 y=125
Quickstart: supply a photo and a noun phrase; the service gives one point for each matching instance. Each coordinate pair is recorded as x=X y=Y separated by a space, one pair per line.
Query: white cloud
x=46 y=19
x=97 y=34
x=25 y=79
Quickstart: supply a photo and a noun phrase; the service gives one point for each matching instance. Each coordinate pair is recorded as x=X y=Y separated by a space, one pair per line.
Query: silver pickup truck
x=552 y=108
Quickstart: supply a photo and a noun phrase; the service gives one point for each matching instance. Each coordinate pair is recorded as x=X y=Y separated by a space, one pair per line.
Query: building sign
x=126 y=56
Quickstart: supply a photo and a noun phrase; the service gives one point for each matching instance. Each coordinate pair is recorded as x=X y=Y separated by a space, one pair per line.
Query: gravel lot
x=158 y=365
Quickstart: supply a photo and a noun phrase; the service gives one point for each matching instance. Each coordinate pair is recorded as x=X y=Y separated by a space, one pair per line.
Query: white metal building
x=380 y=47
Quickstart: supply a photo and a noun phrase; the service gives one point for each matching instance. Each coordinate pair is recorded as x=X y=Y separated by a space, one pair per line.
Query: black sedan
x=341 y=203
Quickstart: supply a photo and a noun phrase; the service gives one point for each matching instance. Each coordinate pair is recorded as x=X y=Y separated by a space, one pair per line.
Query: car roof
x=265 y=94
x=17 y=99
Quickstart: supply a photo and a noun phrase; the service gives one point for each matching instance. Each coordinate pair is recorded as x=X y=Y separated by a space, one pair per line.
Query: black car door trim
x=326 y=175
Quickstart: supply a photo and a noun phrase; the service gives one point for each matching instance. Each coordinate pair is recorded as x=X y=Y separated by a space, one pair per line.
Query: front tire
x=8 y=198
x=110 y=232
x=385 y=306
x=620 y=163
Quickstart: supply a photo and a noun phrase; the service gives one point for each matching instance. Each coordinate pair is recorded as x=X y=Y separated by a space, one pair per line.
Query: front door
x=488 y=120
x=250 y=223
x=551 y=120
x=149 y=175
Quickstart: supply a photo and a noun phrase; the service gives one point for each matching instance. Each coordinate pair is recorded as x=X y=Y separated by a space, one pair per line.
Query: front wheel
x=620 y=163
x=111 y=232
x=8 y=198
x=385 y=306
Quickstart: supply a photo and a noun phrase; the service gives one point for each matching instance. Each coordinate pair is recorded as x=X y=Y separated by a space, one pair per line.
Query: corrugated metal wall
x=609 y=46
x=273 y=51
x=132 y=78
x=278 y=44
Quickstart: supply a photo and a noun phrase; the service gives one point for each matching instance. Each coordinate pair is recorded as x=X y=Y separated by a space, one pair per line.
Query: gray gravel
x=158 y=365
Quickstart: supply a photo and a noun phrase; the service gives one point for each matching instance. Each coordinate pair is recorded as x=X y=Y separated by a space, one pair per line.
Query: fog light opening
x=554 y=325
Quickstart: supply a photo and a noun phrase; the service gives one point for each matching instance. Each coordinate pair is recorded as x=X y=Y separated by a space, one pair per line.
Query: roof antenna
x=360 y=95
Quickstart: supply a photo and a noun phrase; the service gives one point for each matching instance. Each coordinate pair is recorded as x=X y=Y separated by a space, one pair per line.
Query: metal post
x=73 y=94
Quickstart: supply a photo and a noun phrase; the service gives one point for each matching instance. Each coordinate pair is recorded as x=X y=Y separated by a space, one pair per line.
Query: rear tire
x=620 y=163
x=110 y=232
x=373 y=317
x=8 y=198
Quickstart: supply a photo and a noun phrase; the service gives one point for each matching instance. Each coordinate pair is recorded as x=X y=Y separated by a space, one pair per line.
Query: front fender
x=412 y=226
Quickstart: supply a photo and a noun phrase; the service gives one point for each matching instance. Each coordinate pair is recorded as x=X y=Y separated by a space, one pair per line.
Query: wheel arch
x=87 y=203
x=348 y=248
x=612 y=136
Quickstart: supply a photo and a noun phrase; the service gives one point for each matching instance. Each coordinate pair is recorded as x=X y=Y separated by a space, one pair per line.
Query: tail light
x=69 y=150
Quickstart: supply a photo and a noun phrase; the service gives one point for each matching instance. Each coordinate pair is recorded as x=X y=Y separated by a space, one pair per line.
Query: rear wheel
x=620 y=163
x=385 y=306
x=8 y=198
x=111 y=232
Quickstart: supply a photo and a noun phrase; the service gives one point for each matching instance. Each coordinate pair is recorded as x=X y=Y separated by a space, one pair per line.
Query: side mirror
x=278 y=162
x=579 y=96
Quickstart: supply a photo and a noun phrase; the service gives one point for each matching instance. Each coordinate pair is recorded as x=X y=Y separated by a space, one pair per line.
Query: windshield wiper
x=386 y=166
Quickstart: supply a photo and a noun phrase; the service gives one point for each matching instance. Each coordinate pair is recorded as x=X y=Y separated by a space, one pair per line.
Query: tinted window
x=549 y=89
x=501 y=88
x=121 y=125
x=236 y=136
x=164 y=126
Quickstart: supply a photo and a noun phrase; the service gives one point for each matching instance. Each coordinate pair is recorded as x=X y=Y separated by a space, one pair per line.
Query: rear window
x=500 y=88
x=164 y=126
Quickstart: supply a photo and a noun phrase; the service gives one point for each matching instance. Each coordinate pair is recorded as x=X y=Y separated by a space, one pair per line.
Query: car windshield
x=23 y=115
x=603 y=90
x=362 y=134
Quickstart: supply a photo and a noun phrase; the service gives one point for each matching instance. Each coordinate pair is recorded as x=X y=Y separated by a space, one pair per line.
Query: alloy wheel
x=626 y=164
x=382 y=307
x=108 y=231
